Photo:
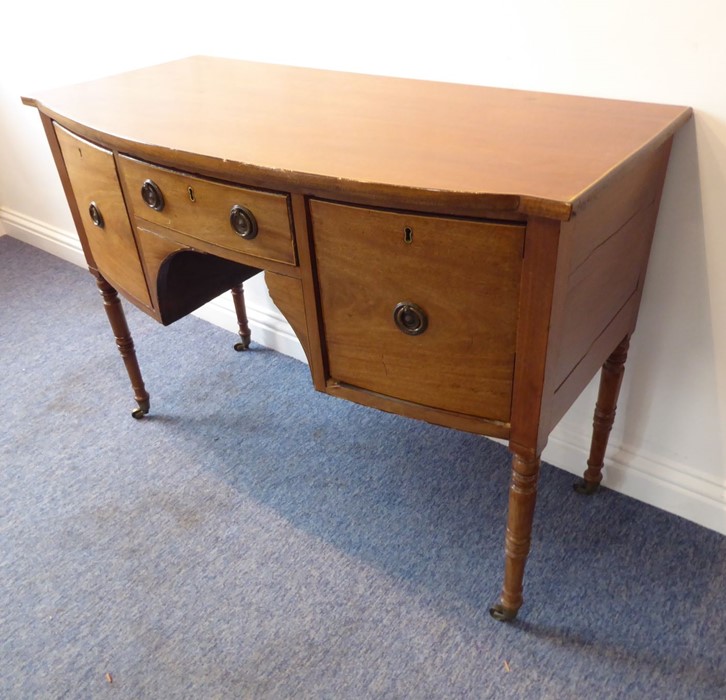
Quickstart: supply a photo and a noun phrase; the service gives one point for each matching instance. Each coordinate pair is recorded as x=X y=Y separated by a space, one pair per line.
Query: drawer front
x=97 y=192
x=201 y=208
x=420 y=308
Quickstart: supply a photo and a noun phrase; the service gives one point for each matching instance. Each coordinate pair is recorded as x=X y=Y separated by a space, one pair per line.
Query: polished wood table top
x=529 y=152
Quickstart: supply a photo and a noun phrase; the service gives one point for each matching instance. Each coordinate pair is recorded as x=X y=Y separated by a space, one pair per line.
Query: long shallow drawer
x=420 y=308
x=248 y=221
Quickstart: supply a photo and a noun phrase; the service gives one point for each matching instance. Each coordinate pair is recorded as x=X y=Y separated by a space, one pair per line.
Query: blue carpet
x=252 y=538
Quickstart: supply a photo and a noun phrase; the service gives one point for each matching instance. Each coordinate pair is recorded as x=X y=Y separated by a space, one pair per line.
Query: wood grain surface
x=465 y=275
x=200 y=208
x=533 y=152
x=92 y=174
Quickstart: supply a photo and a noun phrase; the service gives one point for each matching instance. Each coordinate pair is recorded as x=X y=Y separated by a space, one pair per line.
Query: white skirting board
x=651 y=478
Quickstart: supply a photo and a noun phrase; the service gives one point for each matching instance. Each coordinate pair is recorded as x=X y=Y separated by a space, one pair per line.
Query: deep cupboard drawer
x=420 y=308
x=96 y=190
x=235 y=218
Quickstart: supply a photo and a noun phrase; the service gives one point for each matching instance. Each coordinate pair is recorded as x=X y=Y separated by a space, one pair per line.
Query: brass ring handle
x=410 y=318
x=243 y=221
x=151 y=194
x=96 y=215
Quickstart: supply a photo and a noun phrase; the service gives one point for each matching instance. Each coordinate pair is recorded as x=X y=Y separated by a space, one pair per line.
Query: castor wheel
x=502 y=614
x=586 y=488
x=141 y=410
x=241 y=346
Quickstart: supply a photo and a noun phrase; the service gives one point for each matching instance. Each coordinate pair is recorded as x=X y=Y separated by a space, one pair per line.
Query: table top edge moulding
x=464 y=255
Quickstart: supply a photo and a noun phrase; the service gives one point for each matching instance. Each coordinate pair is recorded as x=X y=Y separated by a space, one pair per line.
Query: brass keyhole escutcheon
x=408 y=234
x=410 y=318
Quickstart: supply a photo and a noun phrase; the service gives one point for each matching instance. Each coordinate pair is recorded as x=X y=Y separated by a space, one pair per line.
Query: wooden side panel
x=600 y=287
x=92 y=173
x=287 y=294
x=589 y=366
x=464 y=276
x=611 y=239
x=611 y=207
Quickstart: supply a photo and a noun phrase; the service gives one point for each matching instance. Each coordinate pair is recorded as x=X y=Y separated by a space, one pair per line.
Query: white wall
x=668 y=447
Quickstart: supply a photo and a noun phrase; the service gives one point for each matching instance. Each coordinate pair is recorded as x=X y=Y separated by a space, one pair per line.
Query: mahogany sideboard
x=462 y=255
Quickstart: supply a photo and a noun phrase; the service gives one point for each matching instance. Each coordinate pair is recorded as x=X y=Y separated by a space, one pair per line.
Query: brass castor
x=502 y=614
x=242 y=345
x=141 y=410
x=586 y=488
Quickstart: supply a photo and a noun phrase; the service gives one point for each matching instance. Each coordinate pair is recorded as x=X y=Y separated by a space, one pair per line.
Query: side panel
x=610 y=239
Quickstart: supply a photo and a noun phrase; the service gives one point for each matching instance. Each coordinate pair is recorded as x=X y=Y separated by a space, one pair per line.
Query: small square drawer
x=236 y=218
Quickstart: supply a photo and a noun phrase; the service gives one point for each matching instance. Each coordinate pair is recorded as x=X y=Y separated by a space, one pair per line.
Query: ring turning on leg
x=238 y=296
x=611 y=378
x=124 y=342
x=522 y=498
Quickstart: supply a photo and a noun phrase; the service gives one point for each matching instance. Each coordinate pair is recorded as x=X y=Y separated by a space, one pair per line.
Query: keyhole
x=408 y=235
x=190 y=191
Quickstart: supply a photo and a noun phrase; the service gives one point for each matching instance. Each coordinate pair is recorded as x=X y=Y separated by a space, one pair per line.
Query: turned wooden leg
x=522 y=497
x=238 y=295
x=125 y=344
x=611 y=378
